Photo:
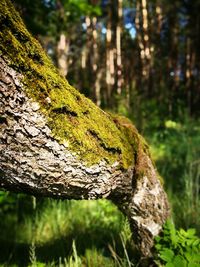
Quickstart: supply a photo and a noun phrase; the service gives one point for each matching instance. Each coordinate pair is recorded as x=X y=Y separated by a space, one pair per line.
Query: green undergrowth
x=74 y=120
x=65 y=233
x=176 y=151
x=177 y=248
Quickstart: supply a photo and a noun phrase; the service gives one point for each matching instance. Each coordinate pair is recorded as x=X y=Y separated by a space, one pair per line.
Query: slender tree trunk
x=145 y=53
x=118 y=47
x=96 y=66
x=62 y=54
x=188 y=70
x=173 y=62
x=97 y=85
x=110 y=53
x=143 y=26
x=55 y=142
x=158 y=48
x=140 y=45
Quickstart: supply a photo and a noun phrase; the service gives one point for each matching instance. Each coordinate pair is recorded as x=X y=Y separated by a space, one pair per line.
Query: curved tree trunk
x=55 y=142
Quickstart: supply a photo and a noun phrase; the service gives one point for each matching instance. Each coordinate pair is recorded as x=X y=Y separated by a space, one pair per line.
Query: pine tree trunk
x=55 y=142
x=118 y=47
x=62 y=54
x=110 y=56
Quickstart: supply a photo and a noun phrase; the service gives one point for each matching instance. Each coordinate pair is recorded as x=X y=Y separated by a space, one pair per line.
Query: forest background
x=140 y=59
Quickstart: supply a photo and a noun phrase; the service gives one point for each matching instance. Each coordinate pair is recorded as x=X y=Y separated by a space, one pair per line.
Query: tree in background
x=120 y=42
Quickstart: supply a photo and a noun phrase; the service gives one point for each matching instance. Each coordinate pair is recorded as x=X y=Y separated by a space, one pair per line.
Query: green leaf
x=182 y=232
x=169 y=264
x=196 y=258
x=191 y=232
x=157 y=238
x=190 y=242
x=191 y=264
x=167 y=254
x=196 y=243
x=158 y=246
x=179 y=261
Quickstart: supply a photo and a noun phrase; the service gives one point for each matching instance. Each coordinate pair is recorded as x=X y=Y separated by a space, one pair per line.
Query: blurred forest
x=137 y=58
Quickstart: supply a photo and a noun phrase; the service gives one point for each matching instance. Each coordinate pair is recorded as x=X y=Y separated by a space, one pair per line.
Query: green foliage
x=53 y=17
x=56 y=219
x=80 y=7
x=175 y=148
x=65 y=233
x=177 y=248
x=175 y=143
x=65 y=15
x=6 y=199
x=38 y=22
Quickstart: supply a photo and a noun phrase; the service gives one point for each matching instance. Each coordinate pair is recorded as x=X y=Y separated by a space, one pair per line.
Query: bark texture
x=54 y=142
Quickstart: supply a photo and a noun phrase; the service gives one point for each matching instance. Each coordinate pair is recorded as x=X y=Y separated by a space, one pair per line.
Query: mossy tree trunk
x=55 y=142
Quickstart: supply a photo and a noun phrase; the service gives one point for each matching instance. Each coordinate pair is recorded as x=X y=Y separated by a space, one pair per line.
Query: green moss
x=74 y=120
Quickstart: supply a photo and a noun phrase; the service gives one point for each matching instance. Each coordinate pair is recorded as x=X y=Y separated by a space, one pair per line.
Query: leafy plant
x=175 y=248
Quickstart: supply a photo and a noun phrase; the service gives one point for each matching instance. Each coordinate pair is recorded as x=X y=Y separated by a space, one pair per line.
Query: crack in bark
x=109 y=149
x=65 y=110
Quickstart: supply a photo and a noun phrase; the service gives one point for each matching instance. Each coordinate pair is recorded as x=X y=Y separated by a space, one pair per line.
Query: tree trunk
x=110 y=57
x=62 y=54
x=55 y=142
x=118 y=46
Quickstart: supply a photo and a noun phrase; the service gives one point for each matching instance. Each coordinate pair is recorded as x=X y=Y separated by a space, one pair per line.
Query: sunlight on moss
x=89 y=132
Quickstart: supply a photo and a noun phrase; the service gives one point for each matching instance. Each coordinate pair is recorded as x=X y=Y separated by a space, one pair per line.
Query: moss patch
x=74 y=120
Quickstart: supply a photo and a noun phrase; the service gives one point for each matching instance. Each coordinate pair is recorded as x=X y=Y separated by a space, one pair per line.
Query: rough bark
x=54 y=142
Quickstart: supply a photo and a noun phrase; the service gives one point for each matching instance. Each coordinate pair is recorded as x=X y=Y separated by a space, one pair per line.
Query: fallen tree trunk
x=55 y=142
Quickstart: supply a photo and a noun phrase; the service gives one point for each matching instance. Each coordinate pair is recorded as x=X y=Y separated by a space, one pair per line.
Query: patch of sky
x=84 y=26
x=103 y=30
x=132 y=32
x=128 y=25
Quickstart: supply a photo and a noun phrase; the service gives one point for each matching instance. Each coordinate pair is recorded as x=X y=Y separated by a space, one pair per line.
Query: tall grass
x=73 y=233
x=176 y=150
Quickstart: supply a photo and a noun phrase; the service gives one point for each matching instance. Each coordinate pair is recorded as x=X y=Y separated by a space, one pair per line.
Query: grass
x=68 y=233
x=176 y=151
